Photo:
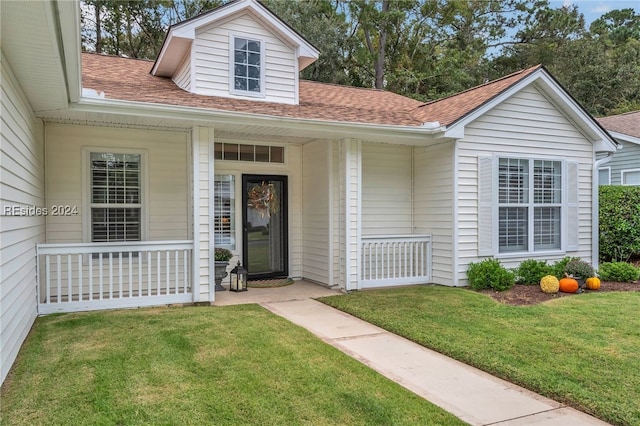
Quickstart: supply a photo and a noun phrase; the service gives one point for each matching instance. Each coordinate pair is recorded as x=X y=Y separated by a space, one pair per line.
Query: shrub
x=619 y=222
x=619 y=271
x=557 y=269
x=222 y=254
x=489 y=273
x=531 y=271
x=577 y=268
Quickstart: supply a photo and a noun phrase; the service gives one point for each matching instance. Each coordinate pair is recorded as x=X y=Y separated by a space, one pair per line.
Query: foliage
x=578 y=350
x=619 y=271
x=619 y=222
x=228 y=365
x=426 y=49
x=579 y=269
x=489 y=273
x=222 y=254
x=531 y=271
x=557 y=269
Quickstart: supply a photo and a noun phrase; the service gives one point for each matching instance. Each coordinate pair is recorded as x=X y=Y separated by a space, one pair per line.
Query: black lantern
x=238 y=278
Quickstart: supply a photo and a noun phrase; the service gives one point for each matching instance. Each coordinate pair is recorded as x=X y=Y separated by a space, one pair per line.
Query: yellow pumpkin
x=549 y=284
x=568 y=285
x=593 y=283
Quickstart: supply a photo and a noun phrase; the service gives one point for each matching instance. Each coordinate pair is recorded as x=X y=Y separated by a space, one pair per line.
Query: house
x=624 y=166
x=120 y=177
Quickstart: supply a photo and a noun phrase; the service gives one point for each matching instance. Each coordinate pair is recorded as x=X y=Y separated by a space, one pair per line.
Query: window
x=255 y=153
x=116 y=197
x=247 y=66
x=604 y=176
x=529 y=205
x=631 y=177
x=224 y=212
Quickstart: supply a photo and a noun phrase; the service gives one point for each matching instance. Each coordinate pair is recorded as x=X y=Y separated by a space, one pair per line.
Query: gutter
x=199 y=115
x=595 y=220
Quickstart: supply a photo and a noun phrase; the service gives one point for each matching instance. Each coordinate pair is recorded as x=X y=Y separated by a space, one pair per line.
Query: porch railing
x=395 y=260
x=89 y=276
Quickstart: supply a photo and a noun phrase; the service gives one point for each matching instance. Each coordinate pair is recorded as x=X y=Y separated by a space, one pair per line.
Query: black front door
x=264 y=216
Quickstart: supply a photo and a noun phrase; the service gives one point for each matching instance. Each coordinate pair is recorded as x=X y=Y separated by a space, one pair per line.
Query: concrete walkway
x=470 y=394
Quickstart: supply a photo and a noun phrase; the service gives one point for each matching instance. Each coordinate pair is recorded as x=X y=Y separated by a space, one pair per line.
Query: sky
x=593 y=9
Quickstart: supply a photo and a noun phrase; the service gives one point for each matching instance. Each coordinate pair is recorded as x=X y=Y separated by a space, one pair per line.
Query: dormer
x=240 y=50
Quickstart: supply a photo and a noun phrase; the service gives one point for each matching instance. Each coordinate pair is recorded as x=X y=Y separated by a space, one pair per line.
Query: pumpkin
x=568 y=285
x=593 y=283
x=549 y=284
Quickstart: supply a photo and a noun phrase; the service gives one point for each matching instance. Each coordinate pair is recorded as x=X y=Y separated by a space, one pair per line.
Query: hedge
x=619 y=223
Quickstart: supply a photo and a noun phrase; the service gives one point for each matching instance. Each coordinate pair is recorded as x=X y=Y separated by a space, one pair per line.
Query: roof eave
x=417 y=134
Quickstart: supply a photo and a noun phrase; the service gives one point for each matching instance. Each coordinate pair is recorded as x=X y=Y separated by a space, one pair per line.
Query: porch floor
x=299 y=290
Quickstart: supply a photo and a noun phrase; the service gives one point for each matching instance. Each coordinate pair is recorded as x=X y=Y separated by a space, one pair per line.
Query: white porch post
x=351 y=215
x=203 y=243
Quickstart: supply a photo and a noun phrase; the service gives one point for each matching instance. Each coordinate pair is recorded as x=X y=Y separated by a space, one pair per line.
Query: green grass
x=583 y=350
x=198 y=365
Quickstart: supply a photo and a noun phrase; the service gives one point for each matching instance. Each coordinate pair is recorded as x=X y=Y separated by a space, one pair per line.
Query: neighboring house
x=145 y=167
x=624 y=166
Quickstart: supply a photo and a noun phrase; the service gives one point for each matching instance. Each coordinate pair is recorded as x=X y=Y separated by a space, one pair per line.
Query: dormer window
x=247 y=66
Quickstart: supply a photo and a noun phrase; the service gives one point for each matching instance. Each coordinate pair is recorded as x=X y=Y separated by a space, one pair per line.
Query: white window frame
x=232 y=89
x=86 y=189
x=622 y=176
x=531 y=205
x=605 y=169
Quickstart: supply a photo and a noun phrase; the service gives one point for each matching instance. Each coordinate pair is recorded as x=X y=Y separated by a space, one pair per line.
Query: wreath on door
x=264 y=199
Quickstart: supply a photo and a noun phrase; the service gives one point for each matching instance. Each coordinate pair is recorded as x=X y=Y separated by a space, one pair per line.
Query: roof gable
x=180 y=36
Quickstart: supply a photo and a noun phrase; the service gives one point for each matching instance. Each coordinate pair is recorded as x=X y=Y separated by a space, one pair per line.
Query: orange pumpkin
x=593 y=283
x=568 y=285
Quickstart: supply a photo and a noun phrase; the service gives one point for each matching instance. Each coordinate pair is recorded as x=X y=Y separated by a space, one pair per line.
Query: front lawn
x=583 y=350
x=199 y=365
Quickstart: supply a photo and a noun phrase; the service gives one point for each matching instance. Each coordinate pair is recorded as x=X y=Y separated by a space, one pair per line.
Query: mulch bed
x=532 y=295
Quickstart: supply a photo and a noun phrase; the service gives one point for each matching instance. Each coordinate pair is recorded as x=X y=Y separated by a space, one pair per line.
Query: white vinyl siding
x=315 y=211
x=433 y=206
x=212 y=61
x=627 y=158
x=182 y=76
x=165 y=203
x=386 y=189
x=22 y=184
x=525 y=125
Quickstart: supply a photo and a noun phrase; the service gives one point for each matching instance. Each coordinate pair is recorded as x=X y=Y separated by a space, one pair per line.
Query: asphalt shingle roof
x=628 y=123
x=129 y=79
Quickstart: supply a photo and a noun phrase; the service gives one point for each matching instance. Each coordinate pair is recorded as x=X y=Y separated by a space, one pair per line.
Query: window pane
x=108 y=224
x=224 y=211
x=246 y=153
x=262 y=153
x=254 y=72
x=254 y=59
x=277 y=154
x=240 y=57
x=604 y=176
x=631 y=178
x=547 y=182
x=240 y=83
x=240 y=43
x=546 y=228
x=512 y=229
x=254 y=46
x=240 y=70
x=230 y=151
x=513 y=181
x=254 y=85
x=217 y=151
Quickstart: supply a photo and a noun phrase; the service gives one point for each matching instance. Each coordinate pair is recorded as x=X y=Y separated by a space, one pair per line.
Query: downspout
x=595 y=221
